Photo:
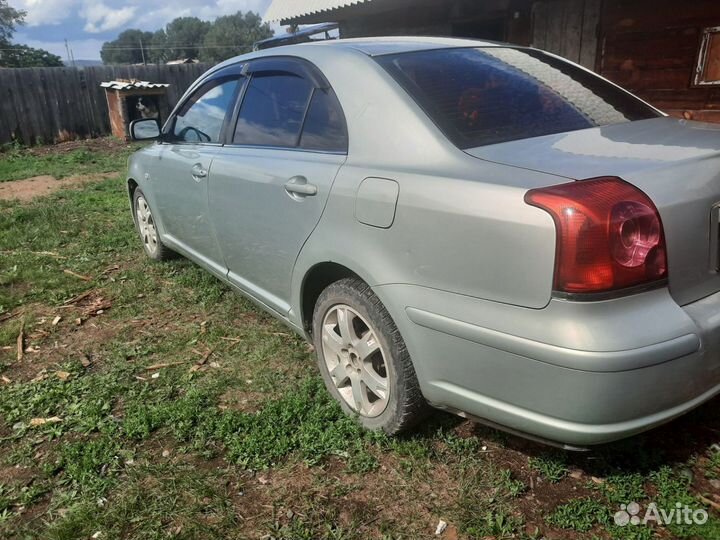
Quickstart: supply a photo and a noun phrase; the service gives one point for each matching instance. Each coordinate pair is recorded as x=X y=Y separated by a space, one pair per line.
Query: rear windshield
x=492 y=95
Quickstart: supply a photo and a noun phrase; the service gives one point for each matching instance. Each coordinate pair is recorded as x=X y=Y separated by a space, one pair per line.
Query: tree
x=15 y=55
x=184 y=35
x=10 y=18
x=126 y=48
x=19 y=56
x=232 y=35
x=159 y=53
x=188 y=37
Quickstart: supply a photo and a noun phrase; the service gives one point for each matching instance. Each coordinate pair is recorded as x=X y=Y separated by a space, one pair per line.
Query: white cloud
x=101 y=18
x=227 y=7
x=111 y=17
x=40 y=12
x=104 y=15
x=156 y=14
x=153 y=19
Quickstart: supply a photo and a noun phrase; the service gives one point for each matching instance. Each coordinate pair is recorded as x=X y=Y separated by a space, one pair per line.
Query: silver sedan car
x=484 y=228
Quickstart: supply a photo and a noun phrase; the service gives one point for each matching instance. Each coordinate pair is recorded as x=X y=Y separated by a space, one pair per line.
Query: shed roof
x=132 y=85
x=281 y=10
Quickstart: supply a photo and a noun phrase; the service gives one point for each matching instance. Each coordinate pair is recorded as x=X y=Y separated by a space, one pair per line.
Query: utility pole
x=67 y=51
x=142 y=50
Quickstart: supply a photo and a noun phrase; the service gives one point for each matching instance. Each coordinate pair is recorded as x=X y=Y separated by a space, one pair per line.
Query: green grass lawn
x=76 y=158
x=151 y=402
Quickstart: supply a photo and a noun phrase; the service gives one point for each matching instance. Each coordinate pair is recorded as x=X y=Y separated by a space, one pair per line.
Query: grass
x=552 y=466
x=579 y=515
x=181 y=411
x=17 y=162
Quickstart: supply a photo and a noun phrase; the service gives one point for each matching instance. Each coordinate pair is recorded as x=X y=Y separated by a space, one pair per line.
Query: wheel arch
x=132 y=185
x=315 y=281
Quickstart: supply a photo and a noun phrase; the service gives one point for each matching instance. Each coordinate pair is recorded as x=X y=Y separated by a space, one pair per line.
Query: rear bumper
x=575 y=373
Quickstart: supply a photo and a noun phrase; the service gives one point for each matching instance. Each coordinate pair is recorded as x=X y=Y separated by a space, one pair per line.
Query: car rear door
x=271 y=180
x=180 y=179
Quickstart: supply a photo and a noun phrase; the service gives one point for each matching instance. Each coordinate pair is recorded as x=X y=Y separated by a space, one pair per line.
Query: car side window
x=200 y=120
x=273 y=110
x=324 y=127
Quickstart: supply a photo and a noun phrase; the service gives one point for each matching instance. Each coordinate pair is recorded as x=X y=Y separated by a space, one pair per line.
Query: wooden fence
x=45 y=105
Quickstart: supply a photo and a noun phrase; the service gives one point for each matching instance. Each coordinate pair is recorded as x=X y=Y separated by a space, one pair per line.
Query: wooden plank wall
x=568 y=28
x=650 y=47
x=44 y=105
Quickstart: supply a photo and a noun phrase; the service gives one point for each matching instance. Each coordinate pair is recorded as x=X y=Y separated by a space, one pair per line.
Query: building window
x=707 y=70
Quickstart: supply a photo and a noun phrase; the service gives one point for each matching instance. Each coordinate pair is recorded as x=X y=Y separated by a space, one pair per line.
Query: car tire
x=363 y=359
x=145 y=226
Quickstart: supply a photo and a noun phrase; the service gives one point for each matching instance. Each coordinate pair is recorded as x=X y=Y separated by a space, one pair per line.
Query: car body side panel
x=261 y=228
x=447 y=235
x=447 y=232
x=182 y=200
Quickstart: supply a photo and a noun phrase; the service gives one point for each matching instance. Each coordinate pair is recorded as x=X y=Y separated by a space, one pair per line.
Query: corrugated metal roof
x=131 y=85
x=289 y=9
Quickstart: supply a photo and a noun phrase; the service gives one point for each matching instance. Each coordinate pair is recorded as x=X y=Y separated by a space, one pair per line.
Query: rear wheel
x=145 y=224
x=363 y=358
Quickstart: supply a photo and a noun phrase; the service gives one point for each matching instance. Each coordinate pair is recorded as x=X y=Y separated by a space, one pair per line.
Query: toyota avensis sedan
x=485 y=228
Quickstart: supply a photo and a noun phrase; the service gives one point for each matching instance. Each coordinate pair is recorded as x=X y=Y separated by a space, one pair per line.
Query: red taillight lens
x=609 y=235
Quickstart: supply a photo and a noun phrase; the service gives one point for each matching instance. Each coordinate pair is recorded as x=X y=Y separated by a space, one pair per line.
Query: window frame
x=702 y=57
x=293 y=65
x=236 y=70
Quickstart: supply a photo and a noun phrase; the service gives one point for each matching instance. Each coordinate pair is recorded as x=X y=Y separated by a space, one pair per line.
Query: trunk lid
x=675 y=162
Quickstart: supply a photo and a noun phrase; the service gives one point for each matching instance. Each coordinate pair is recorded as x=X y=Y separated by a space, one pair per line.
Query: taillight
x=609 y=235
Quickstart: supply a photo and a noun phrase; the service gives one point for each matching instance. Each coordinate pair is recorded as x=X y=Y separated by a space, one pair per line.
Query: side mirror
x=144 y=129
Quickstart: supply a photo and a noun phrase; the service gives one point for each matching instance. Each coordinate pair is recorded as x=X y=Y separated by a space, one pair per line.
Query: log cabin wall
x=568 y=28
x=651 y=48
x=498 y=20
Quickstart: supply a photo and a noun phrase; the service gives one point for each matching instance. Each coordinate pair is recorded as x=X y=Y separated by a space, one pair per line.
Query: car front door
x=180 y=180
x=271 y=181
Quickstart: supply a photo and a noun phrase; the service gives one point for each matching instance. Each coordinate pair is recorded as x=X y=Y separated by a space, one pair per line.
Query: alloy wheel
x=146 y=225
x=355 y=360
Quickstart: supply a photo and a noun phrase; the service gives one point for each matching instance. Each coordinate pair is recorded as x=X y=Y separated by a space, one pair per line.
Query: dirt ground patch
x=38 y=186
x=103 y=144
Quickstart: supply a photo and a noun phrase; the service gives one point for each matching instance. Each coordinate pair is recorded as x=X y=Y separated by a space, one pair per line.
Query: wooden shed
x=129 y=100
x=666 y=51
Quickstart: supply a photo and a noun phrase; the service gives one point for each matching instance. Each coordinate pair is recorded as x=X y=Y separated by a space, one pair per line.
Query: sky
x=87 y=24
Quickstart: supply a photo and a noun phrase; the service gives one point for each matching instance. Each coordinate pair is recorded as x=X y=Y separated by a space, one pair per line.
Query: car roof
x=376 y=46
x=369 y=46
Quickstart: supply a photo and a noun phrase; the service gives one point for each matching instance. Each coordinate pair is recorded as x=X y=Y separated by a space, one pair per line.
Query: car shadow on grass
x=675 y=442
x=570 y=494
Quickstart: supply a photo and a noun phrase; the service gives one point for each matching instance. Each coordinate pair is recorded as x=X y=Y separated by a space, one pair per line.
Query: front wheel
x=145 y=224
x=363 y=359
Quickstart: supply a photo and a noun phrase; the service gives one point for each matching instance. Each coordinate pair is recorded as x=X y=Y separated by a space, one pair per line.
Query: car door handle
x=198 y=171
x=298 y=187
